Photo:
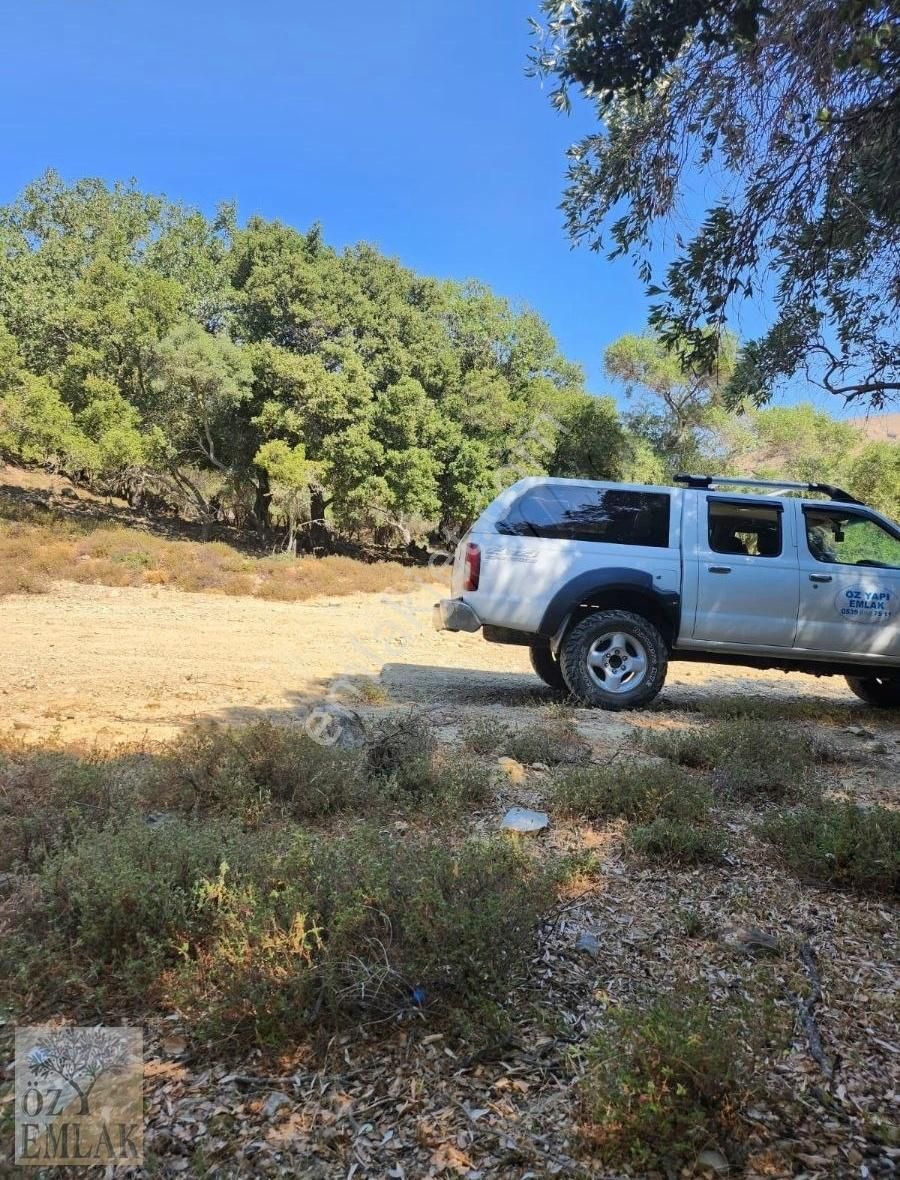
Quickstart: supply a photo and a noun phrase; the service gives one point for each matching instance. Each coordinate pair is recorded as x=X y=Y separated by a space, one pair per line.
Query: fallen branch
x=807 y=1009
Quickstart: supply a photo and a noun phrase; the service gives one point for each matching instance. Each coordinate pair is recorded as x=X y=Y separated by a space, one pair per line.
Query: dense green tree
x=794 y=442
x=874 y=476
x=789 y=115
x=290 y=476
x=36 y=426
x=672 y=396
x=592 y=443
x=255 y=372
x=198 y=387
x=11 y=365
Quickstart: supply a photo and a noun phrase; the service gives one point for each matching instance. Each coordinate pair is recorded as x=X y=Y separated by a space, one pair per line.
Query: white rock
x=522 y=819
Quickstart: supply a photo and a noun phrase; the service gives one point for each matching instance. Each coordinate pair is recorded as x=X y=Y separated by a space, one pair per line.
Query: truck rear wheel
x=546 y=665
x=614 y=659
x=881 y=691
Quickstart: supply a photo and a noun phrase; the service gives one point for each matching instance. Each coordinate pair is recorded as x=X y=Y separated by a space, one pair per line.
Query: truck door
x=849 y=583
x=747 y=572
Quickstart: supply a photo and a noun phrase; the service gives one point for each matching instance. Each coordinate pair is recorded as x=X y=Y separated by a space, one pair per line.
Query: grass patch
x=746 y=759
x=662 y=1084
x=485 y=735
x=553 y=741
x=257 y=937
x=35 y=554
x=261 y=770
x=49 y=798
x=367 y=690
x=676 y=842
x=759 y=707
x=365 y=924
x=639 y=792
x=840 y=844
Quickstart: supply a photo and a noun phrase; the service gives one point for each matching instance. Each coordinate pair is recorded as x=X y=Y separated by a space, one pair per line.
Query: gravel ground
x=103 y=665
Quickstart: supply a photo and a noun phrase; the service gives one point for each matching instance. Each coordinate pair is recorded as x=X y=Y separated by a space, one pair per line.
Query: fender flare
x=603 y=581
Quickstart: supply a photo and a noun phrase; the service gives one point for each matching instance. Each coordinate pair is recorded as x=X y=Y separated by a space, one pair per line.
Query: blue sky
x=410 y=124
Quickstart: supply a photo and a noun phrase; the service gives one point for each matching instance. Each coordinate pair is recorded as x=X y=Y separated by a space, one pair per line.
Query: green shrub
x=840 y=844
x=367 y=923
x=401 y=747
x=554 y=742
x=248 y=771
x=128 y=893
x=747 y=759
x=48 y=799
x=661 y=1085
x=635 y=791
x=407 y=766
x=584 y=866
x=458 y=778
x=674 y=841
x=485 y=736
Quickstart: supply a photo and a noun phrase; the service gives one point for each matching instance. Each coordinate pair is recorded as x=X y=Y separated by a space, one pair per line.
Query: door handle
x=719 y=569
x=820 y=577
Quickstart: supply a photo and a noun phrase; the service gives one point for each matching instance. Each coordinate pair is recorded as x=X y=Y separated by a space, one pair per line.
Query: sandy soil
x=102 y=664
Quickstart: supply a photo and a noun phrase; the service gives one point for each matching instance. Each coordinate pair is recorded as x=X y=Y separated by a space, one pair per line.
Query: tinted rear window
x=609 y=515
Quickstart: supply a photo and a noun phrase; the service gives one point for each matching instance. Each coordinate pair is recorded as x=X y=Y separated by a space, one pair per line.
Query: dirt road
x=101 y=664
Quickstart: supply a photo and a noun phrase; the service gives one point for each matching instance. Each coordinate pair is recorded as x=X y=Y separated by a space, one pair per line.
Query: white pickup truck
x=607 y=582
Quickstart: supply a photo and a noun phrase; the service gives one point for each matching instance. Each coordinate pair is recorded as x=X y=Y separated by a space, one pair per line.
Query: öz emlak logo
x=78 y=1096
x=865 y=604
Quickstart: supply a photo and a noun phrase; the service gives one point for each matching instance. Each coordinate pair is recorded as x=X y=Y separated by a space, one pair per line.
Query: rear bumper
x=452 y=614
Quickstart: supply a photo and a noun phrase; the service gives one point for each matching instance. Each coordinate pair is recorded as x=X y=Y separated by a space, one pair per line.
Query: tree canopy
x=254 y=374
x=789 y=115
x=256 y=370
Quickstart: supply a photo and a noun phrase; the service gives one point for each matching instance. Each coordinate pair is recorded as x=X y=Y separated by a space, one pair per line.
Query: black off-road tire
x=546 y=665
x=636 y=638
x=881 y=691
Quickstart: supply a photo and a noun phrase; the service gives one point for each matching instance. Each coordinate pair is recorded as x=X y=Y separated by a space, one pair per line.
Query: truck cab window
x=848 y=538
x=753 y=530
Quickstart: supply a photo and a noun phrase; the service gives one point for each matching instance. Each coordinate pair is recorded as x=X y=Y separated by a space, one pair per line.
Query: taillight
x=472 y=567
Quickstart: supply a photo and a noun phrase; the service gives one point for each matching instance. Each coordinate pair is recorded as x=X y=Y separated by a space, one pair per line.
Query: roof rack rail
x=781 y=485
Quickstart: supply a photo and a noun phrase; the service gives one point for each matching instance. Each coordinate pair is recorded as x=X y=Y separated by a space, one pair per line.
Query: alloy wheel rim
x=617 y=662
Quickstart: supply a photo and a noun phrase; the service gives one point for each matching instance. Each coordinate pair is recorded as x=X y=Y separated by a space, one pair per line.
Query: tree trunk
x=319 y=532
x=262 y=502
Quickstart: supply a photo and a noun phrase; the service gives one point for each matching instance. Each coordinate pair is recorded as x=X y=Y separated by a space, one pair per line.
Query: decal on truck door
x=861 y=605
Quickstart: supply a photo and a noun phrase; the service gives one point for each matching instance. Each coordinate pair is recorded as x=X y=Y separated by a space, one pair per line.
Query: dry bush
x=407 y=766
x=336 y=927
x=128 y=893
x=401 y=748
x=677 y=842
x=49 y=798
x=33 y=555
x=640 y=792
x=485 y=735
x=662 y=1084
x=748 y=759
x=257 y=937
x=263 y=770
x=553 y=741
x=841 y=845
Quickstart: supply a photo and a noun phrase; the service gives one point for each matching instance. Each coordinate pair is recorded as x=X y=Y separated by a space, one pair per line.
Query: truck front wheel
x=614 y=659
x=881 y=691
